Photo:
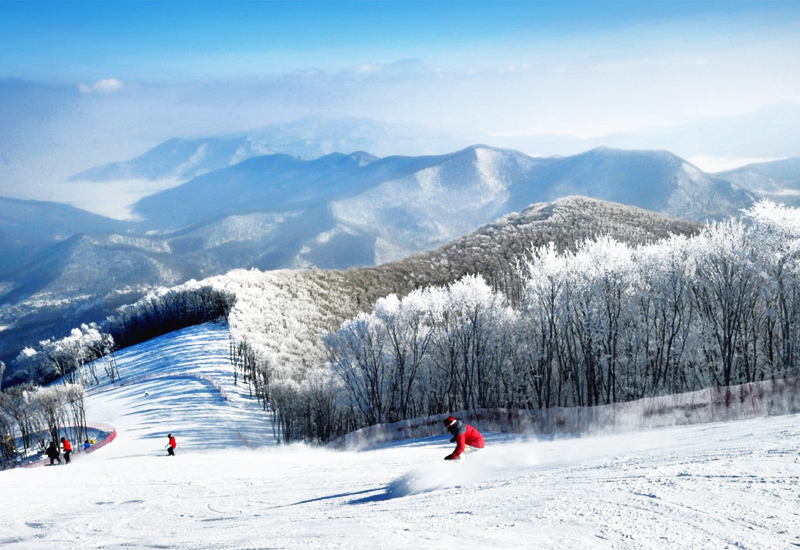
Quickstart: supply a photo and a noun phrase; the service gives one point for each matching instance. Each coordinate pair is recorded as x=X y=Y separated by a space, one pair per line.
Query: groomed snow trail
x=180 y=383
x=724 y=485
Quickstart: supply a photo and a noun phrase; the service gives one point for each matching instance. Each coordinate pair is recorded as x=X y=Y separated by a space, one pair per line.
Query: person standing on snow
x=171 y=445
x=52 y=453
x=67 y=449
x=464 y=436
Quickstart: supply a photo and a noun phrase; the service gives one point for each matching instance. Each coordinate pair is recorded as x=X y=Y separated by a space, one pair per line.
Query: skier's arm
x=460 y=442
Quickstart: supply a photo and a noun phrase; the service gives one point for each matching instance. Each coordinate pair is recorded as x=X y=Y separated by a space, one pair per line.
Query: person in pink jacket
x=464 y=436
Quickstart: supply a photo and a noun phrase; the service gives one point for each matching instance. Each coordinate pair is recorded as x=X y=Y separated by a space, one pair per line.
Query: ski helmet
x=449 y=421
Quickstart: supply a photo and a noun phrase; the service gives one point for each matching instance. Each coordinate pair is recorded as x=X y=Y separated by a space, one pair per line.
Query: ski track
x=712 y=486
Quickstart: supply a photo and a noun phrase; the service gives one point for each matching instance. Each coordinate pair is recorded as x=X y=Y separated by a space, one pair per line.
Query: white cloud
x=105 y=86
x=367 y=68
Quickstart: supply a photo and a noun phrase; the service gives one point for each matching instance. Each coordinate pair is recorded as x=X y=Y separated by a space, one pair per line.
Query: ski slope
x=724 y=485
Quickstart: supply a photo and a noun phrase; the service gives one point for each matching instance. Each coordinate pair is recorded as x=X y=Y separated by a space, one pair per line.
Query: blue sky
x=93 y=82
x=63 y=41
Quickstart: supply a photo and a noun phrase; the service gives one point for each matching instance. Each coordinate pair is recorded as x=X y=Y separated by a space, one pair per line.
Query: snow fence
x=767 y=398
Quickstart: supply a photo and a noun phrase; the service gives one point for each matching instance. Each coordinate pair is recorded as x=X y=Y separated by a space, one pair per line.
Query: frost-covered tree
x=437 y=349
x=725 y=289
x=167 y=309
x=663 y=312
x=407 y=332
x=71 y=358
x=13 y=404
x=543 y=329
x=32 y=366
x=775 y=232
x=467 y=318
x=608 y=275
x=357 y=356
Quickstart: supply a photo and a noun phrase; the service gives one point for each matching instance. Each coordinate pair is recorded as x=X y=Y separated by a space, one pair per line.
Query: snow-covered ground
x=725 y=485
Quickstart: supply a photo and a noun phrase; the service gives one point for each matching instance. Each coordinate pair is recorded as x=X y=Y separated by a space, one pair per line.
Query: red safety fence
x=107 y=432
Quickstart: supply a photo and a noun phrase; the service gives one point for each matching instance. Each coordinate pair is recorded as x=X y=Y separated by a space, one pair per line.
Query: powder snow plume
x=472 y=467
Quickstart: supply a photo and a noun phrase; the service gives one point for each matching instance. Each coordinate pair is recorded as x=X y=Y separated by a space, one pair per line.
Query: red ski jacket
x=469 y=436
x=67 y=446
x=172 y=442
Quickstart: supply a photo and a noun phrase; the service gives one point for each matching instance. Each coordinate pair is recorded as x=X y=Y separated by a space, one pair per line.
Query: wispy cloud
x=104 y=86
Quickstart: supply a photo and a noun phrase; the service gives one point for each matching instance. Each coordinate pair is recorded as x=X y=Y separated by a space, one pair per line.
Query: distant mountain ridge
x=777 y=180
x=273 y=183
x=411 y=204
x=28 y=226
x=770 y=132
x=183 y=159
x=177 y=159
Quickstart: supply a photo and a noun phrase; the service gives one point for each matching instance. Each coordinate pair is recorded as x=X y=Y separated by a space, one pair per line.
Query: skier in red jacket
x=171 y=445
x=464 y=436
x=67 y=449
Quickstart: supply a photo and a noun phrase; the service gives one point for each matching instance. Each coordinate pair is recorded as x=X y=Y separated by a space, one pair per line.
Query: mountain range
x=336 y=211
x=477 y=178
x=359 y=209
x=91 y=275
x=181 y=159
x=771 y=132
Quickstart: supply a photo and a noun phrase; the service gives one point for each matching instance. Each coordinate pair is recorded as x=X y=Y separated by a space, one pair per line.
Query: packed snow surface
x=723 y=485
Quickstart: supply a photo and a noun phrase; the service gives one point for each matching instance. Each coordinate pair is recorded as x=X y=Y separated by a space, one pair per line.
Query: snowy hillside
x=272 y=183
x=706 y=486
x=84 y=279
x=419 y=210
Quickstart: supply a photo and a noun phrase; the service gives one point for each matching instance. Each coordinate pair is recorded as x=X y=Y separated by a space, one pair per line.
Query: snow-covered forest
x=605 y=323
x=707 y=486
x=601 y=323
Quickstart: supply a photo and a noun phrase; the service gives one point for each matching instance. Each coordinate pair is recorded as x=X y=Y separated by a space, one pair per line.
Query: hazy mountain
x=381 y=209
x=177 y=159
x=463 y=190
x=778 y=180
x=770 y=132
x=314 y=137
x=28 y=226
x=274 y=183
x=311 y=138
